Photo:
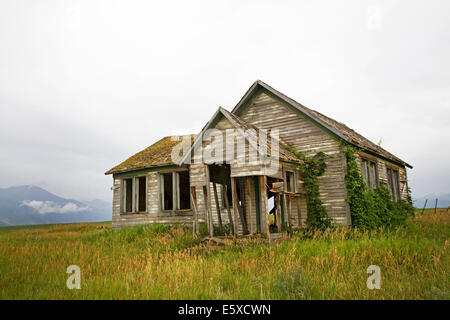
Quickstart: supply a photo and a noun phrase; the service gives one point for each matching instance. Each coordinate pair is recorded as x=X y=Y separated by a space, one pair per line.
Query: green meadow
x=162 y=262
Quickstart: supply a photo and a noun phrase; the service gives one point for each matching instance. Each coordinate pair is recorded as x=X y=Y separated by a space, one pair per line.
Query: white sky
x=86 y=84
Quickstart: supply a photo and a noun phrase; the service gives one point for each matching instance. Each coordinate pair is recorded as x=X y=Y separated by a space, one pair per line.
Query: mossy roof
x=158 y=154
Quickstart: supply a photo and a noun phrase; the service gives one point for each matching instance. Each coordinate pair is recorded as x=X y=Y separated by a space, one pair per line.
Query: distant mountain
x=33 y=205
x=443 y=200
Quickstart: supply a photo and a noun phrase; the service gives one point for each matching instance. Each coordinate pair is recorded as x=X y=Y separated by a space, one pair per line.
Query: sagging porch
x=233 y=203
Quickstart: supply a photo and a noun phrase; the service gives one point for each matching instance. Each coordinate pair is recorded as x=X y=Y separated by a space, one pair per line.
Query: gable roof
x=337 y=128
x=245 y=129
x=158 y=154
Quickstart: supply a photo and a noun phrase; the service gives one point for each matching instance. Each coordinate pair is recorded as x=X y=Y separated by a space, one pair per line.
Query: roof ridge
x=338 y=128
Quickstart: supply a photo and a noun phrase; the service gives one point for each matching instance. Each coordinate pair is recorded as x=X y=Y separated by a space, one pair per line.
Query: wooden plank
x=241 y=208
x=250 y=203
x=227 y=204
x=426 y=200
x=208 y=200
x=219 y=217
x=235 y=205
x=243 y=219
x=288 y=201
x=208 y=211
x=195 y=205
x=277 y=186
x=268 y=113
x=278 y=211
x=257 y=204
x=299 y=212
x=264 y=206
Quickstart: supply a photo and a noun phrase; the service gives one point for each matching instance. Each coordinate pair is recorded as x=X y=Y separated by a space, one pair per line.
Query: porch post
x=264 y=205
x=195 y=206
x=208 y=211
x=207 y=196
x=235 y=205
x=216 y=199
x=299 y=212
x=278 y=211
x=288 y=201
x=227 y=204
x=250 y=206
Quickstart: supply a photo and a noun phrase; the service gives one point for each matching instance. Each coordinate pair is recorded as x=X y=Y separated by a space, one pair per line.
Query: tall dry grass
x=160 y=262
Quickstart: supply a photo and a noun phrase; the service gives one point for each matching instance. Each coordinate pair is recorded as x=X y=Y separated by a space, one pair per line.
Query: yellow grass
x=157 y=262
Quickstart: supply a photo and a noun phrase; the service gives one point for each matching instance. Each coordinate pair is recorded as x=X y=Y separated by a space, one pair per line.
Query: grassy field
x=158 y=262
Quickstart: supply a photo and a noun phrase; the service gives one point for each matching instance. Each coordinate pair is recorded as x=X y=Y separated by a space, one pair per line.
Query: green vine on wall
x=311 y=168
x=371 y=209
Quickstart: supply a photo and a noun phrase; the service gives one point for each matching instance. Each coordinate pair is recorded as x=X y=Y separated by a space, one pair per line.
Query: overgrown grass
x=161 y=262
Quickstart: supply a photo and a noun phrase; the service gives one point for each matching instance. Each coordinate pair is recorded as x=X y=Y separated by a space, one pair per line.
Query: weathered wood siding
x=382 y=166
x=154 y=213
x=245 y=161
x=295 y=200
x=266 y=112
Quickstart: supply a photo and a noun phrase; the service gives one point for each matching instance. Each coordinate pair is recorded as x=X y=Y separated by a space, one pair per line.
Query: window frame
x=294 y=180
x=137 y=187
x=134 y=195
x=395 y=193
x=370 y=162
x=176 y=199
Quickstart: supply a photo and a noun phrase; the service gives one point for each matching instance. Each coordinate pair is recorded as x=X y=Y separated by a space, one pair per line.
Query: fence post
x=426 y=200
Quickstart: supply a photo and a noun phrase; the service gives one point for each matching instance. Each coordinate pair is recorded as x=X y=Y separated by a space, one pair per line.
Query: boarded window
x=369 y=173
x=290 y=181
x=373 y=177
x=128 y=196
x=167 y=191
x=142 y=186
x=364 y=173
x=393 y=183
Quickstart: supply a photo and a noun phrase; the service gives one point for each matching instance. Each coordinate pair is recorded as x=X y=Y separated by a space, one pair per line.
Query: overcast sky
x=86 y=84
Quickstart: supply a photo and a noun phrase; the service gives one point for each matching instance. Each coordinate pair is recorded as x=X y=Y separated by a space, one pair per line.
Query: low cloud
x=44 y=207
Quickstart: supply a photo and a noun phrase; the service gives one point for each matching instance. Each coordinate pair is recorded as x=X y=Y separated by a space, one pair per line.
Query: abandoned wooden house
x=240 y=190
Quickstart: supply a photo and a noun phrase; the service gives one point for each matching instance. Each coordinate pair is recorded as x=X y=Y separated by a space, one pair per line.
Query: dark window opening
x=175 y=190
x=168 y=191
x=184 y=195
x=142 y=192
x=290 y=181
x=128 y=186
